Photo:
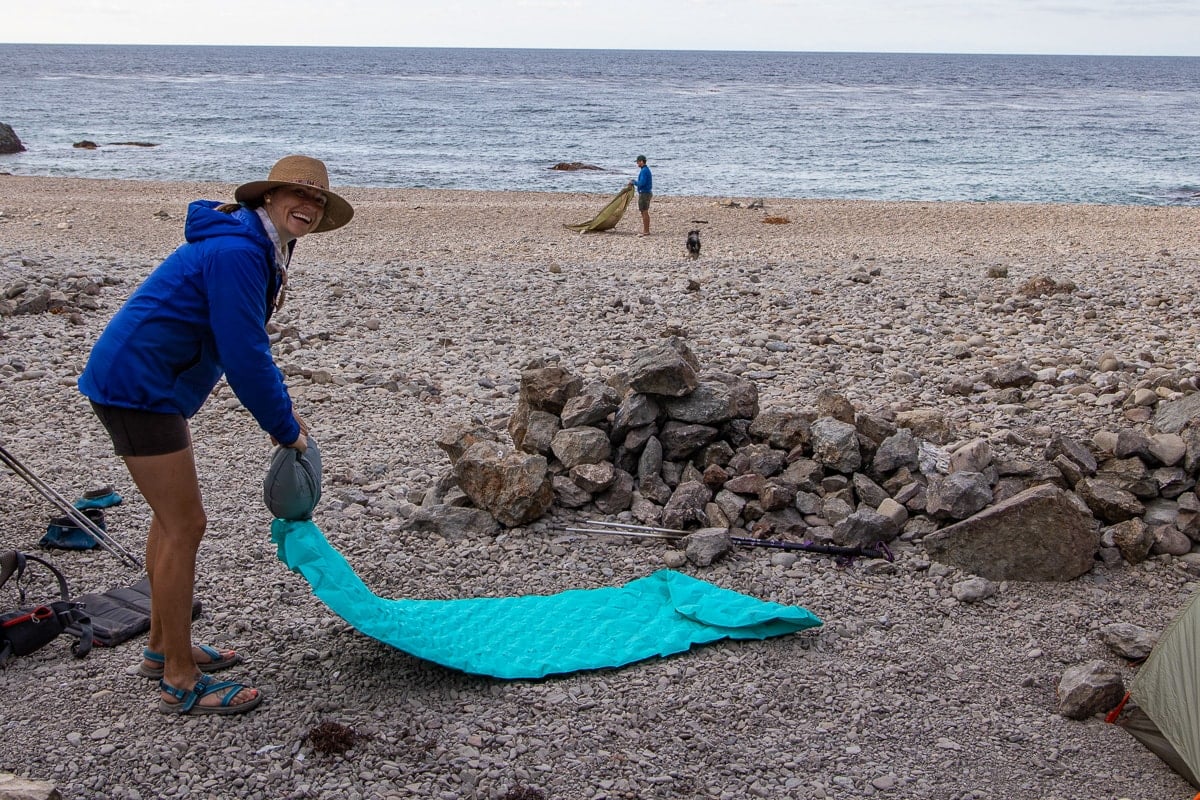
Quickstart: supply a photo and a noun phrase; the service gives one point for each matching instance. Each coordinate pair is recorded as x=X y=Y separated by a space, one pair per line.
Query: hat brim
x=337 y=211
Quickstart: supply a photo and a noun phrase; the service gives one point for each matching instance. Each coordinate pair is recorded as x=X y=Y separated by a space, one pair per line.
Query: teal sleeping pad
x=534 y=636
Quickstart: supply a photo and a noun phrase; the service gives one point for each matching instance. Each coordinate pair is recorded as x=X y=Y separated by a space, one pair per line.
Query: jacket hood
x=205 y=222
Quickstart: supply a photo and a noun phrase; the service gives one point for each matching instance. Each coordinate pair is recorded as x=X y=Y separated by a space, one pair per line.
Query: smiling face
x=295 y=210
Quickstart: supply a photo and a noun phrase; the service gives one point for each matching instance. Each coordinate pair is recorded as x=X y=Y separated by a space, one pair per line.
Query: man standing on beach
x=645 y=186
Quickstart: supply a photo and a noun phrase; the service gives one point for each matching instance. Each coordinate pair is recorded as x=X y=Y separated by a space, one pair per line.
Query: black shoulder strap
x=12 y=562
x=63 y=591
x=76 y=616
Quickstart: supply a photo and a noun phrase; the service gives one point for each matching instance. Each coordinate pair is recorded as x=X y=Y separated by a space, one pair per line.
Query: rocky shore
x=424 y=312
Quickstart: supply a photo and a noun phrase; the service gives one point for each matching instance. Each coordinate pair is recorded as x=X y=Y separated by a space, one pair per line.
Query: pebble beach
x=422 y=313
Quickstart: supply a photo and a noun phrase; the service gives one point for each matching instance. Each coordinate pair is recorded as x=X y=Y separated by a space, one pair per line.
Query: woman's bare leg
x=170 y=486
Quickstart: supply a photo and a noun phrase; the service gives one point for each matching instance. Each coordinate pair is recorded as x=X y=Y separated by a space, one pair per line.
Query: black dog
x=693 y=244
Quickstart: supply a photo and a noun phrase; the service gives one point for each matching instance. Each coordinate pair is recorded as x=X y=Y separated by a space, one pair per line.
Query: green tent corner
x=609 y=216
x=1167 y=693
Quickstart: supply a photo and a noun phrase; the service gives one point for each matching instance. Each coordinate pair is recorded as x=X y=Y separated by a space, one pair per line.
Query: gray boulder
x=709 y=404
x=9 y=141
x=1041 y=534
x=835 y=444
x=512 y=486
x=1108 y=502
x=1088 y=689
x=666 y=369
x=582 y=445
x=1173 y=416
x=686 y=508
x=453 y=522
x=957 y=495
x=706 y=545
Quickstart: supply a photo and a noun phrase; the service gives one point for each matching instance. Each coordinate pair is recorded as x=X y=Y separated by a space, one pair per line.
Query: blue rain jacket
x=202 y=313
x=645 y=181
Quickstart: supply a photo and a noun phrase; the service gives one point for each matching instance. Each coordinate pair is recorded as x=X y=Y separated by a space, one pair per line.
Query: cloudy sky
x=1108 y=27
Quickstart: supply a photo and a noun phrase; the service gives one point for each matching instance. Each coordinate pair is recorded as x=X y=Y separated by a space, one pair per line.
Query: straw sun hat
x=300 y=171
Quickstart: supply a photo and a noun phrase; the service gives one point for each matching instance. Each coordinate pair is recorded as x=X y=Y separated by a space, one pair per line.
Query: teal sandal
x=216 y=661
x=187 y=701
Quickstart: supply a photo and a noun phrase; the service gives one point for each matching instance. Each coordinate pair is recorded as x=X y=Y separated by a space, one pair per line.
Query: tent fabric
x=1167 y=689
x=609 y=216
x=1139 y=725
x=534 y=636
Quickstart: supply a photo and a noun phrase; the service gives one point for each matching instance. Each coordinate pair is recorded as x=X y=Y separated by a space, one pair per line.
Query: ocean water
x=1071 y=129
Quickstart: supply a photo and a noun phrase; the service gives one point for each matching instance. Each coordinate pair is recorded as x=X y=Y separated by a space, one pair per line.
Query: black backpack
x=32 y=626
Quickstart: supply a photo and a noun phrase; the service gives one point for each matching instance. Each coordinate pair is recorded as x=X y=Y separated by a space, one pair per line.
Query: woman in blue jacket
x=200 y=315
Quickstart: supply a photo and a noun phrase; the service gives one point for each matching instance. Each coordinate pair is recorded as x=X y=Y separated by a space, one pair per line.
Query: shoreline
x=971 y=233
x=446 y=294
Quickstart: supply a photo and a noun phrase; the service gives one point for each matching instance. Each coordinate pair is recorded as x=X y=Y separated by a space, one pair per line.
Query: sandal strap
x=205 y=686
x=213 y=654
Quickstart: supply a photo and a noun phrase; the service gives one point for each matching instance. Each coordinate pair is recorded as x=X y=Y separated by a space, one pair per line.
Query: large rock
x=1172 y=417
x=925 y=423
x=1088 y=689
x=549 y=388
x=1108 y=502
x=835 y=444
x=865 y=528
x=896 y=451
x=9 y=141
x=685 y=509
x=666 y=369
x=957 y=495
x=709 y=404
x=781 y=428
x=1041 y=534
x=590 y=406
x=456 y=438
x=582 y=445
x=514 y=487
x=452 y=522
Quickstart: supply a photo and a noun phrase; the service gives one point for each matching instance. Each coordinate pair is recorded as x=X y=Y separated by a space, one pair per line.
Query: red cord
x=1111 y=718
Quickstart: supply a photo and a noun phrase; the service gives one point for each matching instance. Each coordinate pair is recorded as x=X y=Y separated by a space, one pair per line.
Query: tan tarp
x=609 y=216
x=1167 y=689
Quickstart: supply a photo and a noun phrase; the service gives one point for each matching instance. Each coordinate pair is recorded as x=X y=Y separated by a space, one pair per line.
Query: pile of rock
x=668 y=445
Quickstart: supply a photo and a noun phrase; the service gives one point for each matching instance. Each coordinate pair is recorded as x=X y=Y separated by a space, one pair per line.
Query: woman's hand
x=301 y=442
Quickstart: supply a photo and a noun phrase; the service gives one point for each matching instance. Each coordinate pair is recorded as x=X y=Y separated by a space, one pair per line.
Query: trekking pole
x=880 y=550
x=102 y=537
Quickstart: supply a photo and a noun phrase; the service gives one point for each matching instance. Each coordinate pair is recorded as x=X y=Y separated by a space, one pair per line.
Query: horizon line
x=606 y=49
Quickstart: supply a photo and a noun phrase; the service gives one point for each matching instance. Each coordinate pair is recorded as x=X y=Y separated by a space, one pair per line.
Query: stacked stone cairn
x=665 y=444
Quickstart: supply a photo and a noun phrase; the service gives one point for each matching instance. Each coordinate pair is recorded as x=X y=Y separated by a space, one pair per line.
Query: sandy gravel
x=904 y=693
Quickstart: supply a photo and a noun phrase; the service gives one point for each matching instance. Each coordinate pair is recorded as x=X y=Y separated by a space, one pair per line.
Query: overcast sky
x=1106 y=27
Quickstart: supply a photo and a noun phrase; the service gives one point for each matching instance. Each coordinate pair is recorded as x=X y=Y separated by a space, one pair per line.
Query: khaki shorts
x=644 y=201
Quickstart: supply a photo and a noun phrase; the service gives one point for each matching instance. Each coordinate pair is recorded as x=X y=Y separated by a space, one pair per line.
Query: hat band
x=305 y=182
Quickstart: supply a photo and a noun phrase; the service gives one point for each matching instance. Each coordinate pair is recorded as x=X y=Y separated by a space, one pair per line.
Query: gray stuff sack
x=292 y=487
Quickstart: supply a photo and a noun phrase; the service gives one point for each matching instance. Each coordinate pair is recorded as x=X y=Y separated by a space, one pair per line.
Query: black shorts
x=644 y=201
x=143 y=433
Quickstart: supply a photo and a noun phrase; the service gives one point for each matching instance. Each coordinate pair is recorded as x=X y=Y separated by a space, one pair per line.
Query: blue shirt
x=644 y=183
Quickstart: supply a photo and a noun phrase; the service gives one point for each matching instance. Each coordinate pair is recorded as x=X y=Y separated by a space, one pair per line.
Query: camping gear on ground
x=102 y=537
x=101 y=497
x=64 y=533
x=292 y=487
x=1166 y=690
x=120 y=613
x=879 y=550
x=609 y=216
x=534 y=636
x=29 y=627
